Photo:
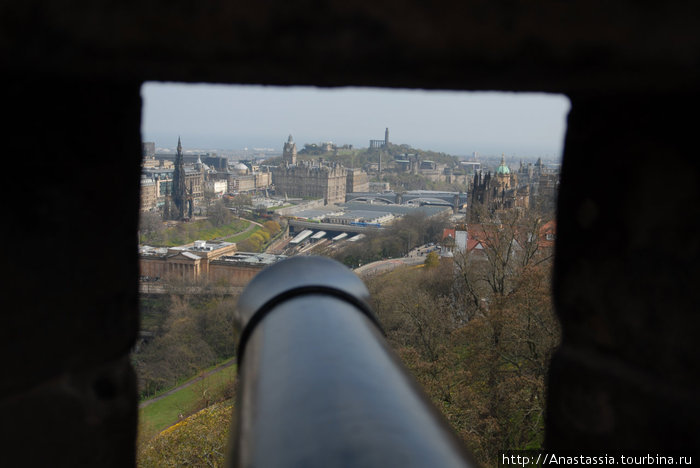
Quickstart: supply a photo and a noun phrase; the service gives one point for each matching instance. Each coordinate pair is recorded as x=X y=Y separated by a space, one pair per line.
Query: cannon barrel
x=318 y=384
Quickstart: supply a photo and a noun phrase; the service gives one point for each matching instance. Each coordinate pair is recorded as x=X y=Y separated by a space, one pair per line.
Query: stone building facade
x=289 y=151
x=240 y=268
x=149 y=194
x=263 y=179
x=212 y=261
x=194 y=183
x=240 y=179
x=499 y=191
x=310 y=181
x=218 y=187
x=356 y=181
x=187 y=262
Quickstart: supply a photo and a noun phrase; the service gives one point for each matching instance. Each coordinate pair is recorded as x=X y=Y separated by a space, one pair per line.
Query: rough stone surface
x=626 y=266
x=479 y=44
x=72 y=161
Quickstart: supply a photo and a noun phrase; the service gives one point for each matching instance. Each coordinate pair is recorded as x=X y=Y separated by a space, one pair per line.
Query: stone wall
x=233 y=275
x=307 y=181
x=357 y=181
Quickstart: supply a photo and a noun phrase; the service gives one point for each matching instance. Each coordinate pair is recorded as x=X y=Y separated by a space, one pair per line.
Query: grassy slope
x=244 y=235
x=167 y=411
x=199 y=440
x=189 y=232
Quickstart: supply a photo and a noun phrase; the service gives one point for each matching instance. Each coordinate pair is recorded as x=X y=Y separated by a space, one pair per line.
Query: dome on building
x=503 y=168
x=240 y=167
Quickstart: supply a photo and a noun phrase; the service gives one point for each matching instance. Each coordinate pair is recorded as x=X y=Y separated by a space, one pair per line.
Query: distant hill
x=360 y=157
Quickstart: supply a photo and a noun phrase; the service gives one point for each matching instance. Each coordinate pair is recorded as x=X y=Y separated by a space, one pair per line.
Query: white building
x=219 y=187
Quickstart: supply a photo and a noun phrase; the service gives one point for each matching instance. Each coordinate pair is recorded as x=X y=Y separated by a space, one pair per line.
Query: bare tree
x=209 y=196
x=150 y=224
x=219 y=214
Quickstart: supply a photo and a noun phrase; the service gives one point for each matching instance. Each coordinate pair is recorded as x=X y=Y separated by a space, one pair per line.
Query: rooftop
x=318 y=213
x=152 y=251
x=251 y=258
x=396 y=210
x=202 y=246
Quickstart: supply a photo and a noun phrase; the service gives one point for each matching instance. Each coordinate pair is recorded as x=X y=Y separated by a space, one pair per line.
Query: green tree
x=264 y=235
x=253 y=243
x=432 y=260
x=272 y=227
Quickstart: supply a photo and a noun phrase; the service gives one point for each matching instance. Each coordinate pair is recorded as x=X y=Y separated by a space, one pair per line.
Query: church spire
x=178 y=192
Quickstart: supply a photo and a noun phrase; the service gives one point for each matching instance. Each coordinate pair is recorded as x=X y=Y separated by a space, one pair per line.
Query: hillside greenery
x=477 y=331
x=198 y=440
x=155 y=233
x=188 y=333
x=397 y=240
x=261 y=238
x=360 y=157
x=210 y=386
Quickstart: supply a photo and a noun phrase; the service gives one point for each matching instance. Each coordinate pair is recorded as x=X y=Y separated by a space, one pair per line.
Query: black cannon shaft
x=319 y=386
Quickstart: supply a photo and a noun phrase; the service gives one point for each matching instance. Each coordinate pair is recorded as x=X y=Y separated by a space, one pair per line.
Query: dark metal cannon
x=319 y=386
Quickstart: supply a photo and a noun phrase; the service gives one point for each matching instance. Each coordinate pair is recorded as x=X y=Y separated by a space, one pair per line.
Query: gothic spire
x=178 y=191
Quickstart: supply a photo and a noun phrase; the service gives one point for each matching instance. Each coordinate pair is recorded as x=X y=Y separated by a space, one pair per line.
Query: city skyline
x=235 y=117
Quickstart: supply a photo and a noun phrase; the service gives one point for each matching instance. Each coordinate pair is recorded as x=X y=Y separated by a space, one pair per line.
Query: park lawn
x=167 y=411
x=197 y=230
x=213 y=232
x=244 y=235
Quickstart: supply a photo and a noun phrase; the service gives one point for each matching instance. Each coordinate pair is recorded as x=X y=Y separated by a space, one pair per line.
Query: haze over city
x=235 y=117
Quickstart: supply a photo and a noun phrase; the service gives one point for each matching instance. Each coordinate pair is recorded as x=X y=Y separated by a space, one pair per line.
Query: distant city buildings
x=216 y=187
x=378 y=187
x=428 y=169
x=211 y=176
x=202 y=260
x=500 y=190
x=327 y=180
x=149 y=194
x=199 y=174
x=506 y=189
x=242 y=178
x=356 y=181
x=377 y=144
x=307 y=180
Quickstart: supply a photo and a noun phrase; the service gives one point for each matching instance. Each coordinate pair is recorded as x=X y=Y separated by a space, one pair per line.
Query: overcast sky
x=234 y=117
